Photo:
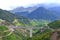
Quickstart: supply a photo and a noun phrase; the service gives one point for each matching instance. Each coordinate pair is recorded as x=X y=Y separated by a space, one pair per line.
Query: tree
x=4 y=32
x=41 y=36
x=55 y=24
x=38 y=23
x=17 y=23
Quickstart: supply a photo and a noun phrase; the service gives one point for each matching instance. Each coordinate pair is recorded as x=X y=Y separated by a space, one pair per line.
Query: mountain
x=55 y=9
x=22 y=13
x=39 y=13
x=22 y=9
x=6 y=15
x=32 y=8
x=10 y=17
x=42 y=13
x=6 y=19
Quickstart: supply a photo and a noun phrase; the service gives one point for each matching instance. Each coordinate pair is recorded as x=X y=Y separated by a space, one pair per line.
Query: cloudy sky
x=10 y=4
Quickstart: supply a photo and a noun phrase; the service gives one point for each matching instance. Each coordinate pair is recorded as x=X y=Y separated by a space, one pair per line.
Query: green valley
x=38 y=29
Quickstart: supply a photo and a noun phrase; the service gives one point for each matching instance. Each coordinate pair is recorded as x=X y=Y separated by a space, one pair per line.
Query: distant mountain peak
x=38 y=13
x=22 y=9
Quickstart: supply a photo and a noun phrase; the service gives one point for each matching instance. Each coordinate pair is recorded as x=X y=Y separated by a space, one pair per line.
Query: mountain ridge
x=39 y=13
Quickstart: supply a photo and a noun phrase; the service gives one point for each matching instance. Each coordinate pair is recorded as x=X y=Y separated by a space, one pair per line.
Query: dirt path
x=54 y=36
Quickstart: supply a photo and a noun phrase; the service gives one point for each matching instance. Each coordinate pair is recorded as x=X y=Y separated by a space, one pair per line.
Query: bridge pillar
x=30 y=33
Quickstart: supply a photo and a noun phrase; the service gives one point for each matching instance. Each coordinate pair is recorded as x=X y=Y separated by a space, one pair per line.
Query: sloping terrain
x=10 y=17
x=39 y=13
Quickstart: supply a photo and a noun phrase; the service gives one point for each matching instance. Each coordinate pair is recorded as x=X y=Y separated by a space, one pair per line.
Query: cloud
x=8 y=4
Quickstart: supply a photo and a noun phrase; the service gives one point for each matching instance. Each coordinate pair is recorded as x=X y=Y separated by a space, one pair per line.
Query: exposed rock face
x=54 y=36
